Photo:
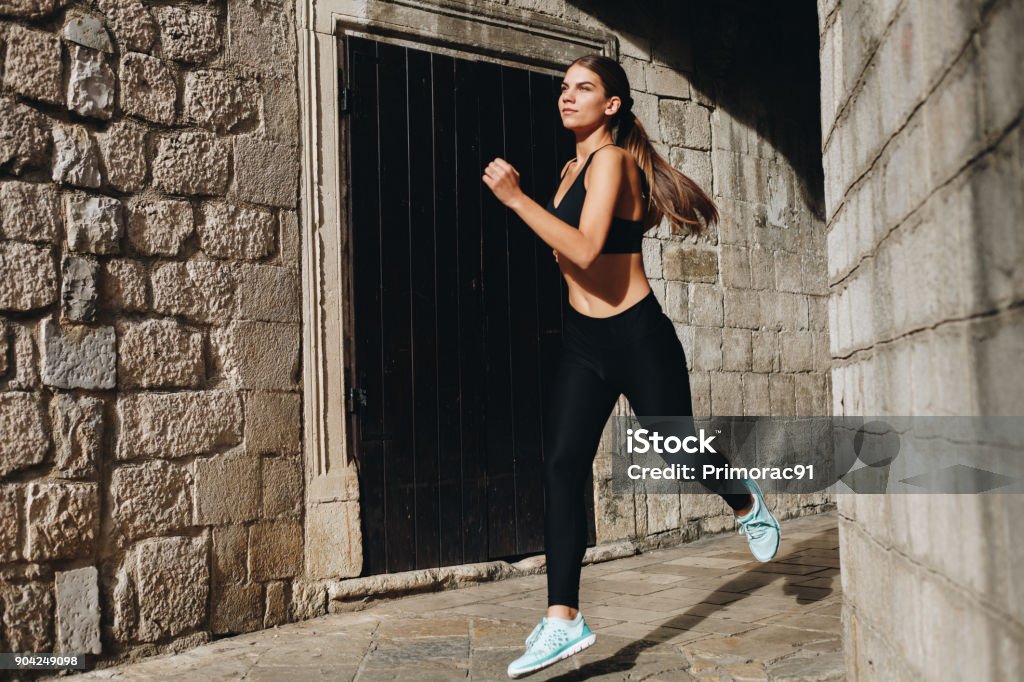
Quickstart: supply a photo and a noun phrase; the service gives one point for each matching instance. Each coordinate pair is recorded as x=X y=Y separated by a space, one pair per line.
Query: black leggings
x=636 y=353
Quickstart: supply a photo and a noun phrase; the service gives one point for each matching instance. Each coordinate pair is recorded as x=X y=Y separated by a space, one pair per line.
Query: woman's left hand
x=503 y=180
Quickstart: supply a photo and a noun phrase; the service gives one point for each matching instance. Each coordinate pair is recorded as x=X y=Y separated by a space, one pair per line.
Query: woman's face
x=582 y=103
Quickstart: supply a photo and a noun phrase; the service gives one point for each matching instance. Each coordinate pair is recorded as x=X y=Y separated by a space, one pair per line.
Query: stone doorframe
x=333 y=538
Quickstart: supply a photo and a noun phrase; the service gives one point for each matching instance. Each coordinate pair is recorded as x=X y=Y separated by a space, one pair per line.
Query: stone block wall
x=151 y=483
x=921 y=121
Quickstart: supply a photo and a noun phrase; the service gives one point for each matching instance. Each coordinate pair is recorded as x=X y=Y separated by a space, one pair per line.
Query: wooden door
x=457 y=305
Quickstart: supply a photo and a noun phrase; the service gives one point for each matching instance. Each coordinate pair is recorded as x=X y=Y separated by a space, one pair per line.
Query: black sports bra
x=624 y=236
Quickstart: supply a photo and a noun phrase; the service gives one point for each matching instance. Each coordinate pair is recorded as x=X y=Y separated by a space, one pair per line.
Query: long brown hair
x=671 y=194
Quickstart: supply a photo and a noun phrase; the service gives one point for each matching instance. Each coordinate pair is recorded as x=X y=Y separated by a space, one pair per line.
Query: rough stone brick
x=766 y=351
x=86 y=30
x=26 y=353
x=177 y=424
x=291 y=242
x=63 y=520
x=200 y=290
x=23 y=438
x=27 y=616
x=683 y=263
x=677 y=301
x=123 y=283
x=29 y=211
x=28 y=276
x=227 y=489
x=742 y=308
x=26 y=8
x=275 y=550
x=261 y=37
x=707 y=348
x=237 y=608
x=24 y=137
x=188 y=34
x=270 y=294
x=91 y=83
x=797 y=351
x=280 y=110
x=79 y=288
x=259 y=355
x=663 y=80
x=811 y=395
x=782 y=395
x=736 y=350
x=756 y=400
x=33 y=65
x=149 y=87
x=329 y=527
x=159 y=354
x=684 y=124
x=191 y=162
x=76 y=157
x=78 y=611
x=172 y=585
x=276 y=612
x=221 y=101
x=726 y=394
x=149 y=499
x=282 y=486
x=95 y=224
x=78 y=357
x=133 y=26
x=735 y=267
x=265 y=172
x=10 y=523
x=159 y=227
x=273 y=423
x=230 y=554
x=229 y=230
x=77 y=434
x=122 y=147
x=694 y=164
x=4 y=345
x=705 y=305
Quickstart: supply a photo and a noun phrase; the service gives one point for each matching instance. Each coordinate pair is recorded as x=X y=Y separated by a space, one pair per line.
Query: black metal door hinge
x=345 y=101
x=355 y=399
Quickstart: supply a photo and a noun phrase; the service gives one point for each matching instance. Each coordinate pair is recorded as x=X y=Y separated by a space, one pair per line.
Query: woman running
x=616 y=339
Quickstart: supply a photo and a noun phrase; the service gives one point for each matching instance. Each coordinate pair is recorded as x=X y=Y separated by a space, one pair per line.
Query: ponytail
x=669 y=193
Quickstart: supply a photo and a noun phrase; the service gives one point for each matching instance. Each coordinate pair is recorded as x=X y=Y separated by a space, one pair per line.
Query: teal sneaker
x=552 y=640
x=760 y=526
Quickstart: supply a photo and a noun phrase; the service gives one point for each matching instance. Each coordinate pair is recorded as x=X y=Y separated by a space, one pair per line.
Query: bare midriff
x=612 y=283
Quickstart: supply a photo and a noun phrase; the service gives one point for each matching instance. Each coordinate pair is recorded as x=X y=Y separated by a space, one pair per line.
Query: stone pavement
x=701 y=611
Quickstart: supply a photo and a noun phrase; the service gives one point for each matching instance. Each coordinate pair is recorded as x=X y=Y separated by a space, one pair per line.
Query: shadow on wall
x=757 y=61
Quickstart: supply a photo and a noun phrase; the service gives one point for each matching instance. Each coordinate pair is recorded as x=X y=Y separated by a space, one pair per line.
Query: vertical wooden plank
x=469 y=190
x=424 y=332
x=498 y=432
x=524 y=349
x=449 y=399
x=365 y=226
x=396 y=301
